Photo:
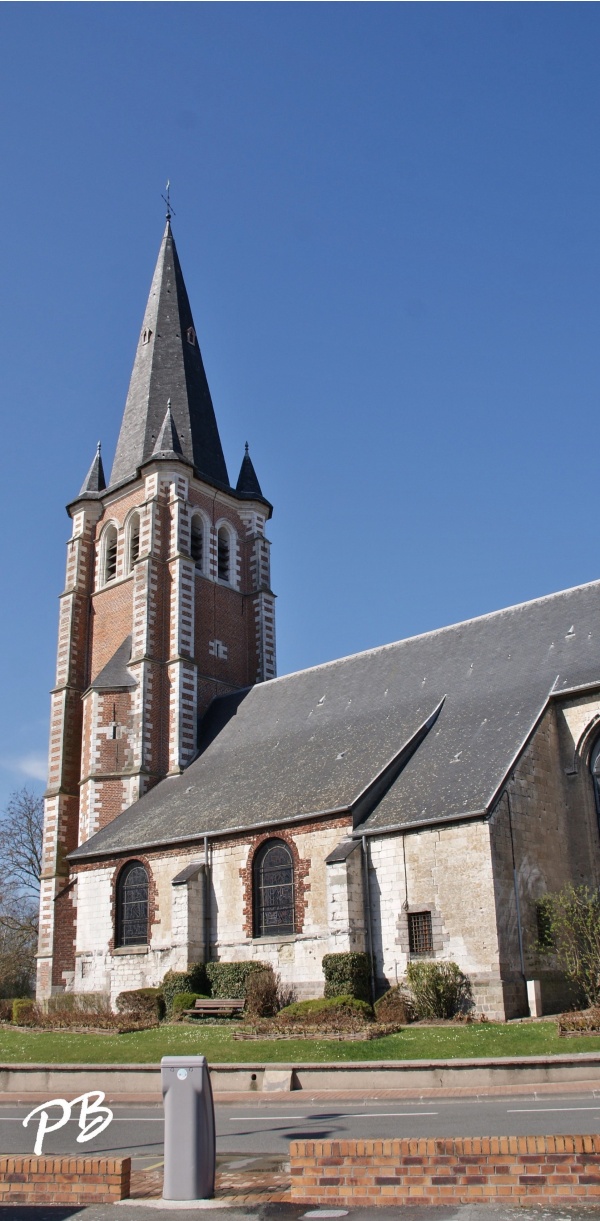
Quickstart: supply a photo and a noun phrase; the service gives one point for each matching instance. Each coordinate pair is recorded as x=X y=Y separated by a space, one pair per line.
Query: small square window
x=420 y=937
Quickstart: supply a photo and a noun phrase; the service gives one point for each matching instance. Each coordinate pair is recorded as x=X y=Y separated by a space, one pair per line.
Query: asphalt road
x=257 y=1127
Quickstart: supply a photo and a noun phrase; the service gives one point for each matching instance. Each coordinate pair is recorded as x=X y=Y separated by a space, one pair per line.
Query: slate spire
x=168 y=365
x=168 y=444
x=94 y=480
x=247 y=480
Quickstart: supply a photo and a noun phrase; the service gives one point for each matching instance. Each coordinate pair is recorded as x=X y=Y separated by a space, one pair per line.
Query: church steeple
x=168 y=366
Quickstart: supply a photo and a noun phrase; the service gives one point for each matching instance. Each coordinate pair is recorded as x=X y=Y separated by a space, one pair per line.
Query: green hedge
x=224 y=980
x=176 y=982
x=147 y=1001
x=184 y=1000
x=348 y=975
x=227 y=980
x=440 y=989
x=24 y=1011
x=312 y=1012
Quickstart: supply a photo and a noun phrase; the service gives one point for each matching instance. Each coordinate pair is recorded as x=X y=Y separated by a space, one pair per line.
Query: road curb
x=406 y=1078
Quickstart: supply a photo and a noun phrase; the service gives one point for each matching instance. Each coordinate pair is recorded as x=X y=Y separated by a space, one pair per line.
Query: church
x=415 y=801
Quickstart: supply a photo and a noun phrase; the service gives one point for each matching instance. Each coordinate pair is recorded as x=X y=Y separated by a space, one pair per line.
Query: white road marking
x=543 y=1110
x=334 y=1115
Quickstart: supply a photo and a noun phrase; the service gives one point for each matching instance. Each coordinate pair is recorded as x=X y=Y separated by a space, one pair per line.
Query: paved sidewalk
x=277 y=1097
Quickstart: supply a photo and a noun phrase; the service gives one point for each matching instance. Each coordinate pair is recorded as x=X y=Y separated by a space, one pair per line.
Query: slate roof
x=247 y=479
x=94 y=481
x=168 y=365
x=313 y=742
x=168 y=444
x=115 y=676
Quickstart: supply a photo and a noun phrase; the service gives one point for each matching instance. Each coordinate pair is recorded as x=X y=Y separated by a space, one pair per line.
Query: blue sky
x=387 y=216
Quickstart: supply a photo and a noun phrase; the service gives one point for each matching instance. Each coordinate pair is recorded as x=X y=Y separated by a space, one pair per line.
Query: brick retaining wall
x=515 y=1169
x=64 y=1180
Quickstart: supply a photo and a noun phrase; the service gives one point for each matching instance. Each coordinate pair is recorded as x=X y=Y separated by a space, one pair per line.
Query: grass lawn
x=217 y=1044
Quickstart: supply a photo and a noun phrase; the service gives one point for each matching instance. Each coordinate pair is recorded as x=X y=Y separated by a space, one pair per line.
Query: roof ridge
x=436 y=631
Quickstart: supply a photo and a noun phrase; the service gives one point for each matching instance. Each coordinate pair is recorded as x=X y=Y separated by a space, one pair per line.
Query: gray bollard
x=189 y=1128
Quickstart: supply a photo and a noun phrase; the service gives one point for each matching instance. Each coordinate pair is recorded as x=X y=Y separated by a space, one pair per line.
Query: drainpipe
x=367 y=902
x=516 y=887
x=206 y=902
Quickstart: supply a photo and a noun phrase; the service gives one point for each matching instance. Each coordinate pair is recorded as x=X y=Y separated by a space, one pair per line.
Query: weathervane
x=167 y=198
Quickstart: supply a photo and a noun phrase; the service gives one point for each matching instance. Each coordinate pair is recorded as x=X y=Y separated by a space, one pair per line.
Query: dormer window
x=191 y=336
x=146 y=336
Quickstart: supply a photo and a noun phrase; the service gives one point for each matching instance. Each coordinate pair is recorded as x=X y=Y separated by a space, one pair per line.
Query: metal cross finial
x=167 y=199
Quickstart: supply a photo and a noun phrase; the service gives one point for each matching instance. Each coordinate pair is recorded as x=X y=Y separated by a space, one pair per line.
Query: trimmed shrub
x=6 y=1009
x=439 y=988
x=146 y=1002
x=580 y=1021
x=175 y=982
x=395 y=1006
x=228 y=980
x=181 y=1001
x=24 y=1011
x=82 y=1002
x=335 y=1011
x=266 y=995
x=348 y=974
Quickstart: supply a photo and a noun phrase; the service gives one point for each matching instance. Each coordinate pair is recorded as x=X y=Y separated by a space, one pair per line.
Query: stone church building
x=416 y=800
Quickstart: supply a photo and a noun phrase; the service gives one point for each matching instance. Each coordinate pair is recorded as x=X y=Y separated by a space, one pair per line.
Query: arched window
x=273 y=887
x=109 y=543
x=595 y=770
x=197 y=541
x=223 y=555
x=134 y=540
x=132 y=905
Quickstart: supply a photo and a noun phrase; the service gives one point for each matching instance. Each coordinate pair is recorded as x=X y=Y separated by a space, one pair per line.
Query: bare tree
x=21 y=826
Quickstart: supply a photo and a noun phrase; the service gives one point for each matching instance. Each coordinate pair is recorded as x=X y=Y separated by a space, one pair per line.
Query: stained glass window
x=132 y=905
x=273 y=890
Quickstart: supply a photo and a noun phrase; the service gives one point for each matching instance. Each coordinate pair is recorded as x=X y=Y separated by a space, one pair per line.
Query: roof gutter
x=199 y=836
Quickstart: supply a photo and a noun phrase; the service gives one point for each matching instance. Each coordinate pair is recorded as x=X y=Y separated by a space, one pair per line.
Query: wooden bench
x=204 y=1008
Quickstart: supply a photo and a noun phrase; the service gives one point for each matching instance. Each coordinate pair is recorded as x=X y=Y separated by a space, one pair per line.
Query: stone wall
x=448 y=872
x=177 y=932
x=546 y=820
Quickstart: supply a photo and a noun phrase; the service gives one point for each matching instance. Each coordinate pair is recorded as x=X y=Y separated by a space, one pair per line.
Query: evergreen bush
x=228 y=980
x=193 y=980
x=440 y=989
x=348 y=974
x=181 y=1001
x=24 y=1011
x=334 y=1013
x=148 y=1002
x=395 y=1006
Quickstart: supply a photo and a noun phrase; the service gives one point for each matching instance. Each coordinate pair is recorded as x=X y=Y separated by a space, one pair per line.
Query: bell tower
x=167 y=603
